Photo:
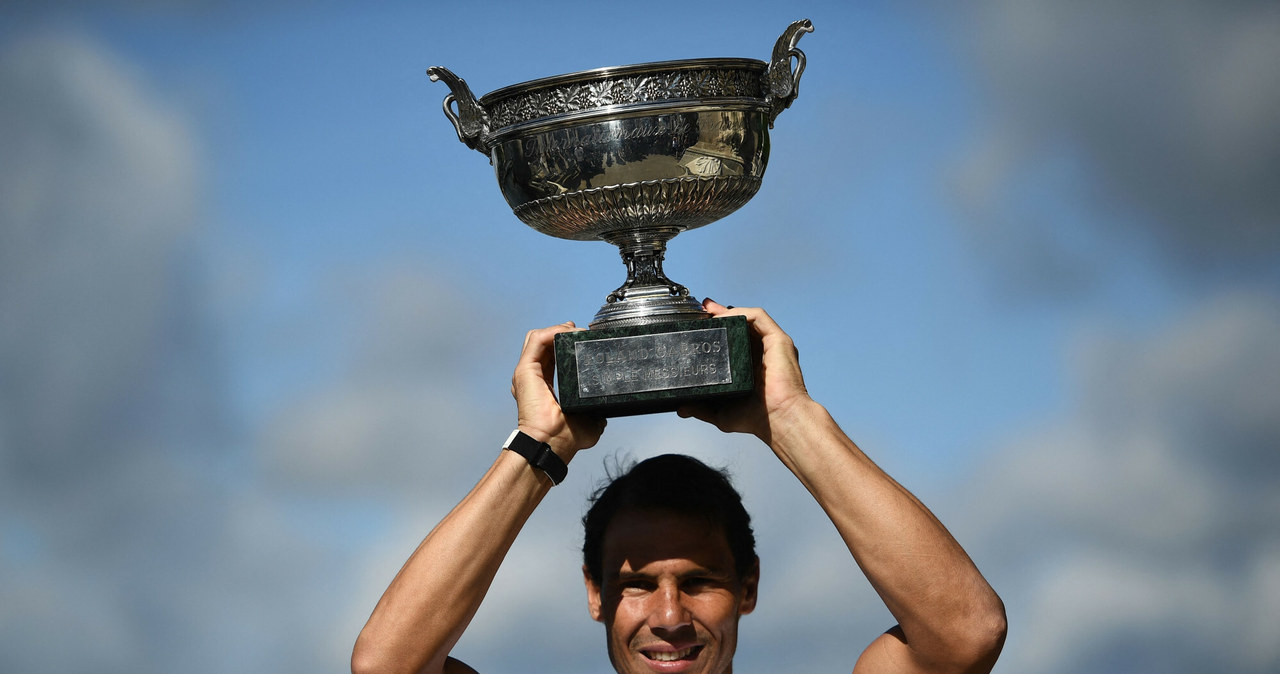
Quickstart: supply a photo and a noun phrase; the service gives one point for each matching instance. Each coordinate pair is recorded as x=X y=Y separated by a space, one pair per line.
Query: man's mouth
x=672 y=656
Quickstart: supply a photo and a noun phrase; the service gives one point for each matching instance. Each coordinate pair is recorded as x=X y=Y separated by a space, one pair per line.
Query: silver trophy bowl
x=632 y=155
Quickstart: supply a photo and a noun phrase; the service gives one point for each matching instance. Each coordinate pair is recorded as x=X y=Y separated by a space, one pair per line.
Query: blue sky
x=258 y=310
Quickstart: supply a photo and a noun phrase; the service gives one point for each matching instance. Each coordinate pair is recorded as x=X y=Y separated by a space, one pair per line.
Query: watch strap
x=538 y=454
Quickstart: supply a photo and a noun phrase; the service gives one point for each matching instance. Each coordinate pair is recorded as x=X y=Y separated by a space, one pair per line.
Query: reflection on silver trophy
x=633 y=155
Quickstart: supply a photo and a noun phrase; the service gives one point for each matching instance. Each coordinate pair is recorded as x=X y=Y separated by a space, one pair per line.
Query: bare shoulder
x=452 y=666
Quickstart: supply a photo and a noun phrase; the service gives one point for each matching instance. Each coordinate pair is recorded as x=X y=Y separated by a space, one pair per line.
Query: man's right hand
x=539 y=414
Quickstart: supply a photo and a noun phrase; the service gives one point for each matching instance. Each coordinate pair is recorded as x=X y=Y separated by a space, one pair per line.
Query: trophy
x=634 y=155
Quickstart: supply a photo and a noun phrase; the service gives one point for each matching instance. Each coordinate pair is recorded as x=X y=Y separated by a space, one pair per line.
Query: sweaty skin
x=666 y=600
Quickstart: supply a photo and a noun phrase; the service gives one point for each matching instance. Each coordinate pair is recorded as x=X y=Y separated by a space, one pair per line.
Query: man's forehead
x=637 y=539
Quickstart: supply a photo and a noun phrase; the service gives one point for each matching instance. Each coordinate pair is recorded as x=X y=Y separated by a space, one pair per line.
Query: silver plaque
x=656 y=362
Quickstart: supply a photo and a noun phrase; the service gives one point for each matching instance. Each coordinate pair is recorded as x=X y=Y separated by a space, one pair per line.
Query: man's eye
x=697 y=584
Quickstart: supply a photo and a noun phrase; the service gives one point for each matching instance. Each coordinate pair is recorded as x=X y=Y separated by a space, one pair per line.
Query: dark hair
x=676 y=483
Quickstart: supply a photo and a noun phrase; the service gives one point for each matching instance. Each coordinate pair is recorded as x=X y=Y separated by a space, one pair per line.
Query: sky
x=259 y=309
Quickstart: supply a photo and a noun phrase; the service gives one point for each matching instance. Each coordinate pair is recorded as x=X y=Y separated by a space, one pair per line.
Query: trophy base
x=653 y=368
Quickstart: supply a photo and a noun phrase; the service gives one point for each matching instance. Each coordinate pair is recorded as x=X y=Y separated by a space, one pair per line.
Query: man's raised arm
x=432 y=599
x=949 y=618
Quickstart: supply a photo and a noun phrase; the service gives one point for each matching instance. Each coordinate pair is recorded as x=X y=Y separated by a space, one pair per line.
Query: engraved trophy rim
x=618 y=71
x=523 y=107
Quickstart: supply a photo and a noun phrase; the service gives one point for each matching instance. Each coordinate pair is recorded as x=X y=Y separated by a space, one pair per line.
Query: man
x=671 y=585
x=670 y=565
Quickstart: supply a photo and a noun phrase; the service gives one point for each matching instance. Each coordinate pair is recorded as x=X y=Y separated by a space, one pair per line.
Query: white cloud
x=1259 y=604
x=1158 y=115
x=1136 y=533
x=96 y=194
x=401 y=418
x=123 y=545
x=1140 y=532
x=1095 y=598
x=372 y=436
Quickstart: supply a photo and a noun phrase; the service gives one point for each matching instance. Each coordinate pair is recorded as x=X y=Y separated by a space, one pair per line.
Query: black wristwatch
x=538 y=454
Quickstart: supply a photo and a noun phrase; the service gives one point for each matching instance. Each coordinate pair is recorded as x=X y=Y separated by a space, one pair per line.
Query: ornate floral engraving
x=681 y=203
x=686 y=84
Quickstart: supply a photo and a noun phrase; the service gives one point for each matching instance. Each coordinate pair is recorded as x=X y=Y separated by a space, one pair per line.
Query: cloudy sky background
x=258 y=310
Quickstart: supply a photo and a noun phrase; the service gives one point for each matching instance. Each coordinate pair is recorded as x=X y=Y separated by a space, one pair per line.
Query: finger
x=589 y=424
x=549 y=361
x=761 y=322
x=715 y=308
x=536 y=342
x=751 y=313
x=537 y=358
x=699 y=411
x=549 y=367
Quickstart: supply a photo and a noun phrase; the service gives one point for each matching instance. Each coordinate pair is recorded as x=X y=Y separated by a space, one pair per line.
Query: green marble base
x=653 y=368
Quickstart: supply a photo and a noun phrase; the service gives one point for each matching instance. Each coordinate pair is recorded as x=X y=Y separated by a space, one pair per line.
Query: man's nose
x=668 y=610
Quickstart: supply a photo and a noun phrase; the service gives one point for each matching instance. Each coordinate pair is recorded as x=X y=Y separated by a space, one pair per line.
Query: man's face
x=670 y=598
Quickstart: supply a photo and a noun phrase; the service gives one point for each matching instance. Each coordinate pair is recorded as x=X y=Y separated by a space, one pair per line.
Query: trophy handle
x=470 y=121
x=783 y=86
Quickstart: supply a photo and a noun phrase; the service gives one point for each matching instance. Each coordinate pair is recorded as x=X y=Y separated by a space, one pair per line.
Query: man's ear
x=593 y=595
x=750 y=587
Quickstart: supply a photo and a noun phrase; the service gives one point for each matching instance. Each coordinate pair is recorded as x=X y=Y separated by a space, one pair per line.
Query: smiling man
x=670 y=565
x=669 y=556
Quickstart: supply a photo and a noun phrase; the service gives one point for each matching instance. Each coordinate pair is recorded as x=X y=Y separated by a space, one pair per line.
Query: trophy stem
x=647 y=297
x=644 y=268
